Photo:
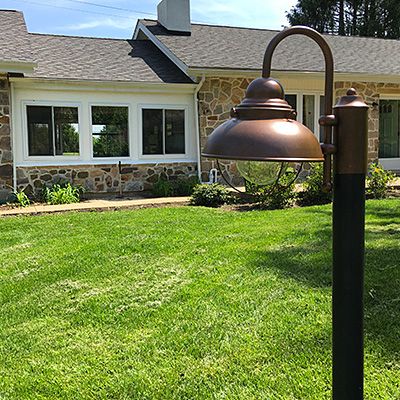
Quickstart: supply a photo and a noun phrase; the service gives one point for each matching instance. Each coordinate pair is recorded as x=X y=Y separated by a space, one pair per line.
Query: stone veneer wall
x=6 y=159
x=218 y=95
x=216 y=98
x=102 y=178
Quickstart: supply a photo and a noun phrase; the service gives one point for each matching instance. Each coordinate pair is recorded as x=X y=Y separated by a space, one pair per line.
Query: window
x=53 y=131
x=110 y=131
x=292 y=100
x=309 y=111
x=309 y=108
x=389 y=129
x=163 y=131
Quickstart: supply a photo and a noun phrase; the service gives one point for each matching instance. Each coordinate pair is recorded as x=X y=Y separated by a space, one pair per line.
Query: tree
x=374 y=18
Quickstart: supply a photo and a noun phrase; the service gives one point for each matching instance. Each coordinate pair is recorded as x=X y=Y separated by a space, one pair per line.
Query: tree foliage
x=373 y=18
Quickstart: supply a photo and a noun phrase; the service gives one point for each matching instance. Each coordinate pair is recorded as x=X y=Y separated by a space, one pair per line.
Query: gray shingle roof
x=222 y=47
x=14 y=38
x=82 y=58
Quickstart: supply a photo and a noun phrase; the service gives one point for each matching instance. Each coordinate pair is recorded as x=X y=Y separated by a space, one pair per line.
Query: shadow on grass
x=311 y=264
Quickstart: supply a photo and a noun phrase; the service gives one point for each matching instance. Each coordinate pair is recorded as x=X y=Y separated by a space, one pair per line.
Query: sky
x=117 y=18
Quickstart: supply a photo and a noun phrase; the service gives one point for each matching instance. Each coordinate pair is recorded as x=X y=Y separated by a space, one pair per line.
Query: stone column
x=6 y=158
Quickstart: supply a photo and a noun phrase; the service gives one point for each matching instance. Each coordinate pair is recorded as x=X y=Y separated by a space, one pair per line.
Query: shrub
x=180 y=187
x=312 y=193
x=62 y=193
x=21 y=199
x=378 y=180
x=278 y=195
x=163 y=188
x=210 y=195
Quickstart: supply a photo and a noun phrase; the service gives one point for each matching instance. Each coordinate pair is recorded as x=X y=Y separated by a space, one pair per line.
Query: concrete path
x=97 y=205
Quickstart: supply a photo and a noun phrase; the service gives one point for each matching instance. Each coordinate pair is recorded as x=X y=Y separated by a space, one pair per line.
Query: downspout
x=197 y=124
x=12 y=133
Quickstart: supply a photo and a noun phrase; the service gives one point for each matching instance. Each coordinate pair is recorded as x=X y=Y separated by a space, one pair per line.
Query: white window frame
x=299 y=106
x=394 y=162
x=25 y=144
x=109 y=160
x=178 y=156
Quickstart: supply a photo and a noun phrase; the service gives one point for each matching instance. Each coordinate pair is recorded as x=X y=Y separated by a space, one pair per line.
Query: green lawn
x=187 y=303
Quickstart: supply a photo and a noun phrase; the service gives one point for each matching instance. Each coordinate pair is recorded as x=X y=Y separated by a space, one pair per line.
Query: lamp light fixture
x=263 y=128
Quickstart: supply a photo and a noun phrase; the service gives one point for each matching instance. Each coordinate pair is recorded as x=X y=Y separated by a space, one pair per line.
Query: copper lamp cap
x=262 y=129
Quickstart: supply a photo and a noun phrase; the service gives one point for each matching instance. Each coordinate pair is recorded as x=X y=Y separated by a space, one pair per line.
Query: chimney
x=174 y=15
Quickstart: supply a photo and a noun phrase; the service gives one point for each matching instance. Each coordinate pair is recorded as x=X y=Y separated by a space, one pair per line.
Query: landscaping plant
x=179 y=187
x=210 y=195
x=277 y=195
x=62 y=193
x=21 y=199
x=312 y=193
x=378 y=180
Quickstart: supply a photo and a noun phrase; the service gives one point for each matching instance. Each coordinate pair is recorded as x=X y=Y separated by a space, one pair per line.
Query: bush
x=312 y=193
x=378 y=180
x=278 y=195
x=180 y=187
x=163 y=188
x=21 y=199
x=210 y=195
x=62 y=193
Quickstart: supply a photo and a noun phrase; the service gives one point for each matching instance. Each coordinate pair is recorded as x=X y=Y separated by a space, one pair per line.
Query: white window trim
x=109 y=160
x=25 y=142
x=162 y=157
x=317 y=96
x=392 y=163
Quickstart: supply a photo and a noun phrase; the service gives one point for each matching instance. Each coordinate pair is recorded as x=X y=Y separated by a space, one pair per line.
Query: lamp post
x=263 y=128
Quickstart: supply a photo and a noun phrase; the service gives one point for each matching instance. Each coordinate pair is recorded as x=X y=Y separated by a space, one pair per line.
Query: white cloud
x=116 y=23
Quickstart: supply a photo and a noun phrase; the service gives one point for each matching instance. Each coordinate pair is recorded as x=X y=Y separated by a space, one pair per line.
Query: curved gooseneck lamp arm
x=328 y=120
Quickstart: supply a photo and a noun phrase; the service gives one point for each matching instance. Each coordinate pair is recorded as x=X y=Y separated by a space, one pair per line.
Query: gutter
x=12 y=133
x=197 y=124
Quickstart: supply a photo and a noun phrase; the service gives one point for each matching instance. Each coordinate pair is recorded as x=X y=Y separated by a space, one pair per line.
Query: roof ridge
x=77 y=36
x=218 y=26
x=277 y=30
x=10 y=10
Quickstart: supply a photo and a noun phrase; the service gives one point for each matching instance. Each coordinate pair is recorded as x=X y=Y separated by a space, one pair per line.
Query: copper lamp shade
x=262 y=128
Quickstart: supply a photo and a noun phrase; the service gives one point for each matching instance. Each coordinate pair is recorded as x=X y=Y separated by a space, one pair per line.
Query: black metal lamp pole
x=349 y=149
x=350 y=165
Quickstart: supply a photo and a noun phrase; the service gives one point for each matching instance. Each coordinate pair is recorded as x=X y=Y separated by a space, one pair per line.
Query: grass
x=187 y=303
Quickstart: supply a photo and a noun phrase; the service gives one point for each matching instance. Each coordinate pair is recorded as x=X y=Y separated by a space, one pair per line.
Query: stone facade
x=102 y=178
x=6 y=159
x=217 y=96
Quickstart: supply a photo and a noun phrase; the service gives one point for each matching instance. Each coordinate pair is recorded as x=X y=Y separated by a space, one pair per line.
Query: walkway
x=97 y=205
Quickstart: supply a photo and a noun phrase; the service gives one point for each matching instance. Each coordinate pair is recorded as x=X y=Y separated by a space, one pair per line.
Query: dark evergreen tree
x=376 y=18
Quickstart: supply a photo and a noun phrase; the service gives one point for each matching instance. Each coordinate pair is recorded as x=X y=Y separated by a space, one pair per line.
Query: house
x=74 y=107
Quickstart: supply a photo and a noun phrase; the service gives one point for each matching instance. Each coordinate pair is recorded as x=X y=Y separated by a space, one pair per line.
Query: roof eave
x=20 y=67
x=251 y=73
x=80 y=84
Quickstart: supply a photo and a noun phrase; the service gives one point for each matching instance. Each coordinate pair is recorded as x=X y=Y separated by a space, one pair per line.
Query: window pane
x=174 y=131
x=110 y=131
x=309 y=111
x=321 y=105
x=389 y=125
x=66 y=131
x=40 y=135
x=292 y=100
x=152 y=131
